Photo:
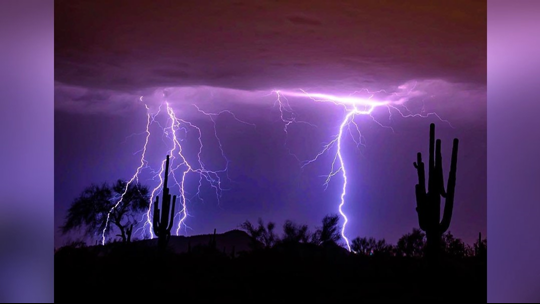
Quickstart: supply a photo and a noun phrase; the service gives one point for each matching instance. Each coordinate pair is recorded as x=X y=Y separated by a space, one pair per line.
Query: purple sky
x=231 y=55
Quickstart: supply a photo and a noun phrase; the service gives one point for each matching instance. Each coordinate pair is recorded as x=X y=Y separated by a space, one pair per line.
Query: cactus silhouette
x=163 y=222
x=480 y=248
x=429 y=203
x=213 y=241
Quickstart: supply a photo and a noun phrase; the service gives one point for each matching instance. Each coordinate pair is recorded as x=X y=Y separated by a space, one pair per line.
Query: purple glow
x=184 y=166
x=133 y=178
x=351 y=104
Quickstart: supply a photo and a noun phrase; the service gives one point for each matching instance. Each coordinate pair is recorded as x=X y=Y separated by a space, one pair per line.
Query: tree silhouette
x=383 y=249
x=260 y=235
x=412 y=244
x=329 y=232
x=269 y=238
x=363 y=246
x=293 y=233
x=253 y=232
x=454 y=247
x=91 y=208
x=368 y=247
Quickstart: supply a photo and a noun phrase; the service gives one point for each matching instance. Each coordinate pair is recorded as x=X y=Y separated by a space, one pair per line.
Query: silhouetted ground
x=224 y=241
x=299 y=272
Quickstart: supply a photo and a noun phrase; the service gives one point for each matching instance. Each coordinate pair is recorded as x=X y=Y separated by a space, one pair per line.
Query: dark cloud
x=130 y=45
x=302 y=20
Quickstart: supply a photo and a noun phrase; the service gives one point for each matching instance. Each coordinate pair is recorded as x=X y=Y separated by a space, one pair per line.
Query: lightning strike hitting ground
x=133 y=178
x=180 y=166
x=353 y=106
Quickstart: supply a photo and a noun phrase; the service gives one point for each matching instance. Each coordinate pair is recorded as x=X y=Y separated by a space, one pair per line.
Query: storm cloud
x=258 y=45
x=113 y=58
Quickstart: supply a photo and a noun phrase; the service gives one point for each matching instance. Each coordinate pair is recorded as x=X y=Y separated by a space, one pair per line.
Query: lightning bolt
x=181 y=167
x=133 y=178
x=220 y=144
x=353 y=107
x=185 y=167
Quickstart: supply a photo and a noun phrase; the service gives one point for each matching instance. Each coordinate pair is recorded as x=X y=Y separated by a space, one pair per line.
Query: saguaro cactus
x=163 y=222
x=429 y=203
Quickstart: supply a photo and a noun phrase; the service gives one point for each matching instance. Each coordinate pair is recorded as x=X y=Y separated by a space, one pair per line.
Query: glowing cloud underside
x=181 y=168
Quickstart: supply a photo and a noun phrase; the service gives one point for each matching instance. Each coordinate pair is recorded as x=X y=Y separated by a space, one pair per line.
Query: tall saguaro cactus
x=163 y=222
x=429 y=203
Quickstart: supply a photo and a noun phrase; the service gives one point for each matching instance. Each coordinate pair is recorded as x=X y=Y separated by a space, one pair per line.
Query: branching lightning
x=353 y=107
x=182 y=167
x=133 y=178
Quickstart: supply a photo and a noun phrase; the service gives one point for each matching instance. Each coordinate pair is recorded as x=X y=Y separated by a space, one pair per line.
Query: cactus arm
x=420 y=190
x=157 y=226
x=439 y=169
x=447 y=217
x=419 y=165
x=431 y=160
x=453 y=165
x=421 y=205
x=172 y=214
x=449 y=205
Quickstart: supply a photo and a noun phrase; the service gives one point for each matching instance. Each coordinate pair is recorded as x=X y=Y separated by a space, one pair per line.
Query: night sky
x=231 y=55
